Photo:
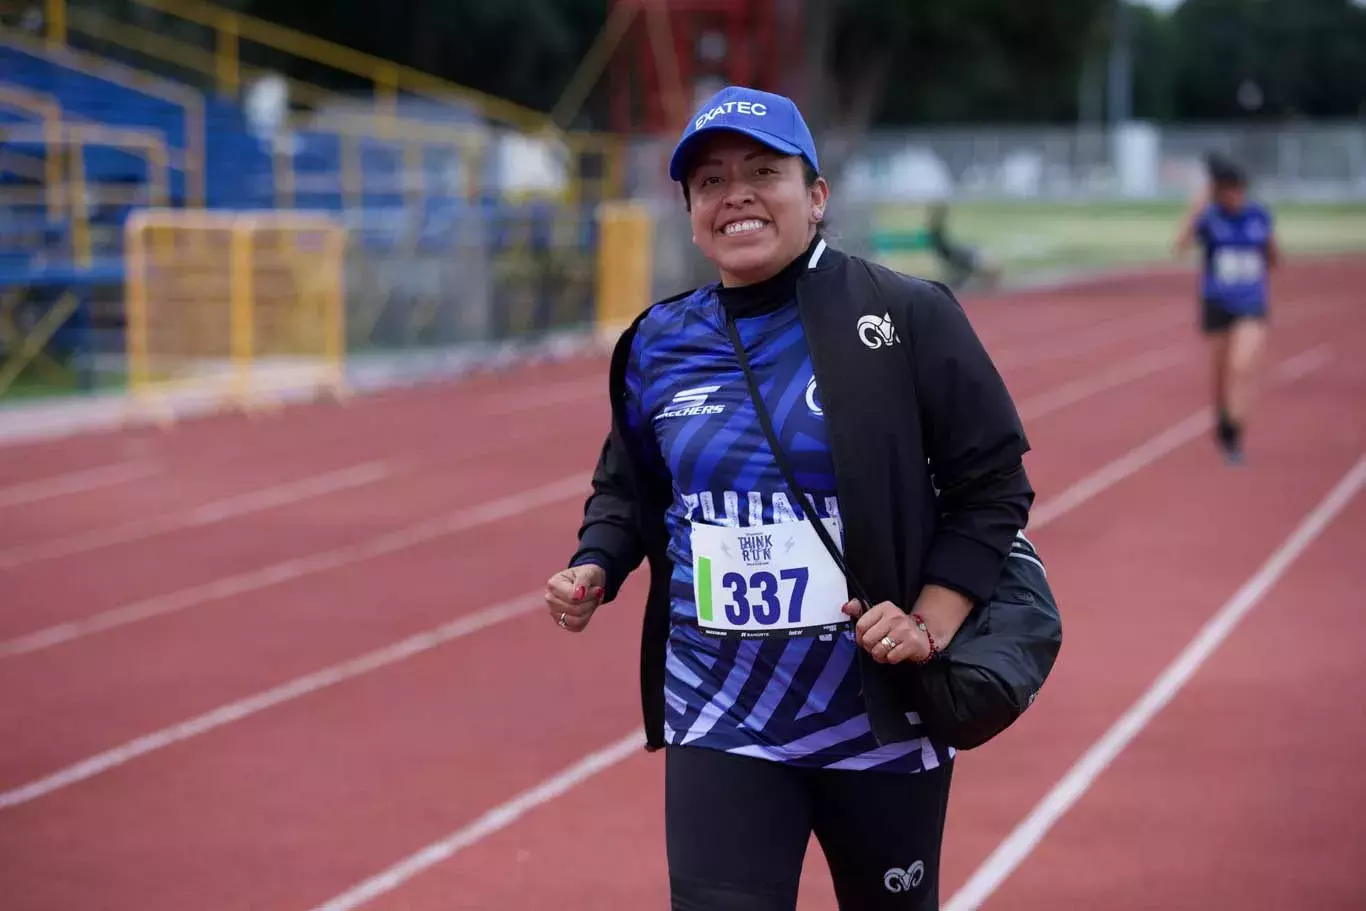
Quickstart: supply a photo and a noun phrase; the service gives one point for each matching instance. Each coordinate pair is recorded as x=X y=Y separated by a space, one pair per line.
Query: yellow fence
x=238 y=309
x=625 y=245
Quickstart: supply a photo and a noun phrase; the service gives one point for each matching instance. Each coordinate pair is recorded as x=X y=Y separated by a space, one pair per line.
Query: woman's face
x=1229 y=197
x=751 y=210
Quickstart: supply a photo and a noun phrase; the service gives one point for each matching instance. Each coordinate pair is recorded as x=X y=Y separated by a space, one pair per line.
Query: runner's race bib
x=765 y=581
x=1238 y=266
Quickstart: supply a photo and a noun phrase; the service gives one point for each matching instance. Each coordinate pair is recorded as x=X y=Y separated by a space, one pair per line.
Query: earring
x=819 y=213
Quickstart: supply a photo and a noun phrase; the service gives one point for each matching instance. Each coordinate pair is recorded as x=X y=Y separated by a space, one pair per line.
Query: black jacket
x=927 y=449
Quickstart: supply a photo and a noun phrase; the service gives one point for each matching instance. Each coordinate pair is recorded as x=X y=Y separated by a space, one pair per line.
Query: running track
x=299 y=662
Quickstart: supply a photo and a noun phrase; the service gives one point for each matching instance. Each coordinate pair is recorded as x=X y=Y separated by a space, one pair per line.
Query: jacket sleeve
x=975 y=442
x=609 y=535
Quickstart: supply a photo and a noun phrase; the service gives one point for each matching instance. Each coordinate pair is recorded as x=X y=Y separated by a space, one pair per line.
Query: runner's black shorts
x=1216 y=317
x=737 y=830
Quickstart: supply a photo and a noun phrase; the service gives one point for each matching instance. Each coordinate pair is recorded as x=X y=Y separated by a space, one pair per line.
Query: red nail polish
x=578 y=593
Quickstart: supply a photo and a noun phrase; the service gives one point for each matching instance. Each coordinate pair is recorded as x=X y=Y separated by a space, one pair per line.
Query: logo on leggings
x=899 y=880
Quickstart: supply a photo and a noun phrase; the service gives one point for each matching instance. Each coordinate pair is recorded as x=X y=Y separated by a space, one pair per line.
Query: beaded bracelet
x=934 y=650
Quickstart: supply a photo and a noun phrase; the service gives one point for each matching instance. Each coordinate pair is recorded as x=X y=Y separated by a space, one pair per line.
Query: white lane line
x=298 y=567
x=558 y=394
x=209 y=514
x=1027 y=835
x=1067 y=394
x=615 y=752
x=75 y=482
x=389 y=655
x=1088 y=341
x=496 y=819
x=1135 y=368
x=1167 y=441
x=1070 y=393
x=1297 y=311
x=259 y=702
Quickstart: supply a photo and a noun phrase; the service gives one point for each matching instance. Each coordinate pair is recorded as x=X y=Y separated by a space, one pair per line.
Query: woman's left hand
x=886 y=623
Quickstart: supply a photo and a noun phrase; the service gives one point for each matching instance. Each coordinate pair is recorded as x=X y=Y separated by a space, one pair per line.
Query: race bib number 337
x=767 y=580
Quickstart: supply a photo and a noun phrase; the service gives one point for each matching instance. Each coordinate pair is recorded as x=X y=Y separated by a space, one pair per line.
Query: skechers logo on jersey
x=690 y=403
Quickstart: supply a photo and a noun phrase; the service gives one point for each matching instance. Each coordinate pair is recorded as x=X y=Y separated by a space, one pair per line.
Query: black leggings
x=738 y=828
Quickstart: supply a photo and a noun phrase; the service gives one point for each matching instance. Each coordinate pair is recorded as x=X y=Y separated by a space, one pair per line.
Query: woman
x=1239 y=250
x=782 y=701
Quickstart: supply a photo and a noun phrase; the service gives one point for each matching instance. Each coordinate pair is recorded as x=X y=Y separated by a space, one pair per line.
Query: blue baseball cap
x=773 y=120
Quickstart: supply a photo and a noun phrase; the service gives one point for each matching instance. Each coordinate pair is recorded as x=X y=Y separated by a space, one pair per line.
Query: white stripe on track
x=209 y=514
x=299 y=567
x=496 y=819
x=1128 y=371
x=75 y=482
x=251 y=705
x=1077 y=781
x=1167 y=441
x=613 y=753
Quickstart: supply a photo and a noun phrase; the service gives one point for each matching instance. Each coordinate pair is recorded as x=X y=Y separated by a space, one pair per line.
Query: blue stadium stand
x=37 y=256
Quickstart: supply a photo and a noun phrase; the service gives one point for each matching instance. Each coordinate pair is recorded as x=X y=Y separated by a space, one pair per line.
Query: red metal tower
x=712 y=43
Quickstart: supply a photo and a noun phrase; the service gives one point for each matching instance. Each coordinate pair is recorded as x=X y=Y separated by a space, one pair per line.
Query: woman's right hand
x=573 y=594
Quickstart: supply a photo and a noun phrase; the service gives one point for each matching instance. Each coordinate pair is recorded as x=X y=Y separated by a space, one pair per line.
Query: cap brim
x=679 y=163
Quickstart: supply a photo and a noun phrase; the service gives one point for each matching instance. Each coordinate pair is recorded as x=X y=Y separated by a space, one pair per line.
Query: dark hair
x=809 y=176
x=1225 y=171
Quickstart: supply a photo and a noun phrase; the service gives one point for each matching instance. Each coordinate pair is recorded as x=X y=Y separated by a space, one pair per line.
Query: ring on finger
x=887 y=641
x=561 y=620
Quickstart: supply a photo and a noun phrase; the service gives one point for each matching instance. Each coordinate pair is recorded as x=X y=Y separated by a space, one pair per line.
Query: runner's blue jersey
x=790 y=700
x=1235 y=262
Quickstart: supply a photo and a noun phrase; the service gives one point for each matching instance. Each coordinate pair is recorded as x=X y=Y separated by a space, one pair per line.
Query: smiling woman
x=749 y=243
x=771 y=450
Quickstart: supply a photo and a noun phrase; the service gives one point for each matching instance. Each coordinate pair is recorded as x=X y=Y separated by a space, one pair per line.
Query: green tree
x=1305 y=58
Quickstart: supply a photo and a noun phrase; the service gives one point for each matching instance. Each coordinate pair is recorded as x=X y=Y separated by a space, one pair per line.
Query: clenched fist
x=573 y=594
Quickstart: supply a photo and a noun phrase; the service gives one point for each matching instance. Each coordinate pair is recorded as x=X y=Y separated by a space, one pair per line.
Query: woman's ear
x=820 y=195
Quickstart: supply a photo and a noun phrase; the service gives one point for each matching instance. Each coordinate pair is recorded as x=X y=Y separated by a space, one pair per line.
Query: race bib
x=1238 y=266
x=767 y=581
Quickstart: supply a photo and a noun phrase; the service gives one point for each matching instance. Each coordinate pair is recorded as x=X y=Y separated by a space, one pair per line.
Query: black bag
x=999 y=658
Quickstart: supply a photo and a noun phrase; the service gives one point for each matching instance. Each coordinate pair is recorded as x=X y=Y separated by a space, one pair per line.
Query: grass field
x=1031 y=238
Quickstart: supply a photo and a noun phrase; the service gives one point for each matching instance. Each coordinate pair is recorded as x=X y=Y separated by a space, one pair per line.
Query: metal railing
x=188 y=158
x=67 y=142
x=46 y=109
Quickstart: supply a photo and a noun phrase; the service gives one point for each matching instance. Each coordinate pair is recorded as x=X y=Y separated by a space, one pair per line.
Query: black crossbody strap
x=807 y=502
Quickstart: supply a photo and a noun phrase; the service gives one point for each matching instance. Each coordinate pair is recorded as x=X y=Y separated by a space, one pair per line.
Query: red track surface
x=1243 y=792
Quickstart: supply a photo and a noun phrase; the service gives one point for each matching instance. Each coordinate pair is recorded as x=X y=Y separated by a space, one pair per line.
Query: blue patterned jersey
x=1235 y=263
x=790 y=700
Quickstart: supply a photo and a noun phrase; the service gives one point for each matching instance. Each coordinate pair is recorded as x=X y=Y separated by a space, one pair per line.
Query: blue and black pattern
x=788 y=700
